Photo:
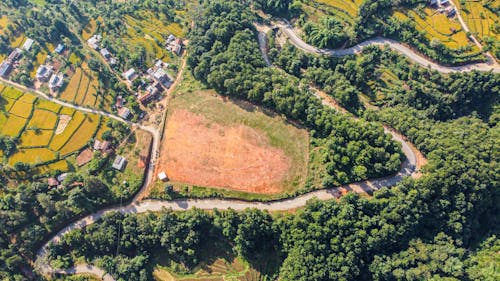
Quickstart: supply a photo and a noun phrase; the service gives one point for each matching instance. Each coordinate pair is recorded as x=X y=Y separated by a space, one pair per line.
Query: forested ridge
x=443 y=226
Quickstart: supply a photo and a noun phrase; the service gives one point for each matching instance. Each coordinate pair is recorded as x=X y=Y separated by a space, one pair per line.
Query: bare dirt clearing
x=201 y=152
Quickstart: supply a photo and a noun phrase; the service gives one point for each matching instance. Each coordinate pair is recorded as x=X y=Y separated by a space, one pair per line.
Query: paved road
x=380 y=41
x=409 y=168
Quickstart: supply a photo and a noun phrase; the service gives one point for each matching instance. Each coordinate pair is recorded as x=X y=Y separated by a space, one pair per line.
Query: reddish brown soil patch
x=84 y=157
x=199 y=152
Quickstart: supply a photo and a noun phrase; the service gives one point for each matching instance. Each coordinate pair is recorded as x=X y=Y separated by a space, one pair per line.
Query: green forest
x=441 y=226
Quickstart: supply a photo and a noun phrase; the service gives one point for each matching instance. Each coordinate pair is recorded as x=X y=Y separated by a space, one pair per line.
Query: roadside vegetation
x=338 y=24
x=397 y=234
x=441 y=226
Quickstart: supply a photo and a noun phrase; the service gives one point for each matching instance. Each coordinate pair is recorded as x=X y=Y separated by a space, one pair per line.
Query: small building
x=105 y=53
x=130 y=74
x=452 y=13
x=124 y=112
x=5 y=68
x=176 y=46
x=84 y=157
x=94 y=41
x=119 y=163
x=56 y=81
x=170 y=38
x=101 y=145
x=43 y=73
x=160 y=75
x=14 y=55
x=28 y=44
x=59 y=48
x=97 y=144
x=159 y=63
x=444 y=2
x=52 y=182
x=119 y=102
x=62 y=177
x=162 y=176
x=113 y=61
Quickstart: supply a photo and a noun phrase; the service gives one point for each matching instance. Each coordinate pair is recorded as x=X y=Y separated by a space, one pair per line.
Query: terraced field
x=345 y=11
x=219 y=270
x=438 y=26
x=45 y=132
x=483 y=19
x=82 y=89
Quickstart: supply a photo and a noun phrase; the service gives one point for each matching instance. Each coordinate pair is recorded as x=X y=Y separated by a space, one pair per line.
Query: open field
x=237 y=157
x=242 y=147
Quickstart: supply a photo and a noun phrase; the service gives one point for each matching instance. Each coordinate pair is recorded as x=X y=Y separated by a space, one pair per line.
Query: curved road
x=409 y=168
x=380 y=41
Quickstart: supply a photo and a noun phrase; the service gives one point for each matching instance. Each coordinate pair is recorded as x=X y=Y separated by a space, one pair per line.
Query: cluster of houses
x=174 y=44
x=157 y=79
x=47 y=73
x=94 y=43
x=103 y=147
x=443 y=6
x=9 y=64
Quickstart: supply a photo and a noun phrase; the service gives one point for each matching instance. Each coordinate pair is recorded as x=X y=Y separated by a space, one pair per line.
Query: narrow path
x=295 y=39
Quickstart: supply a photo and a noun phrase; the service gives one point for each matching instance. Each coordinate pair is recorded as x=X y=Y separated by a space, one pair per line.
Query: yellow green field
x=61 y=165
x=82 y=88
x=6 y=104
x=32 y=156
x=47 y=105
x=438 y=26
x=43 y=119
x=13 y=126
x=90 y=28
x=21 y=109
x=479 y=18
x=12 y=93
x=351 y=7
x=31 y=138
x=60 y=140
x=72 y=87
x=85 y=132
x=34 y=121
x=3 y=24
x=218 y=270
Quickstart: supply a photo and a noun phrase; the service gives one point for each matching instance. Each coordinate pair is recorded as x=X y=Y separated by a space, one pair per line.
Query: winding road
x=410 y=167
x=295 y=39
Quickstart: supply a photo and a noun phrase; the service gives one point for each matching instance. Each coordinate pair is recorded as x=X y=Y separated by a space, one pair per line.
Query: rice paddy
x=438 y=26
x=33 y=122
x=82 y=89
